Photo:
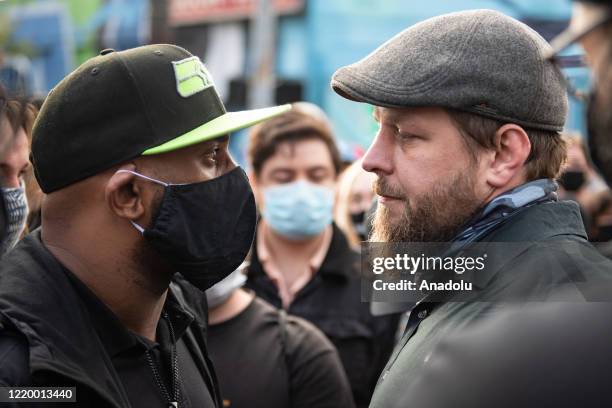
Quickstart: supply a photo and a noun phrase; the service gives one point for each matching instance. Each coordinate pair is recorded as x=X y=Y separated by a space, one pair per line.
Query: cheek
x=259 y=197
x=418 y=174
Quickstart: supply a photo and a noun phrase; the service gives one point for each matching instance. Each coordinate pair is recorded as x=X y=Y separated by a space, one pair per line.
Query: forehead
x=417 y=116
x=303 y=153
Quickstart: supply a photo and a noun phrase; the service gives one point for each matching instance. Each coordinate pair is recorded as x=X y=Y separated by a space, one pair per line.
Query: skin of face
x=361 y=193
x=15 y=160
x=303 y=160
x=415 y=150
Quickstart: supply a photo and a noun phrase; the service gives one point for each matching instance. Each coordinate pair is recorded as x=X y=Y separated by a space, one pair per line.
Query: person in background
x=301 y=261
x=355 y=198
x=15 y=128
x=265 y=358
x=579 y=181
x=602 y=226
x=4 y=143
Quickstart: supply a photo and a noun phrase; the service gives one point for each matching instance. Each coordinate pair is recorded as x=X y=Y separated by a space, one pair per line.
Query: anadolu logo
x=191 y=76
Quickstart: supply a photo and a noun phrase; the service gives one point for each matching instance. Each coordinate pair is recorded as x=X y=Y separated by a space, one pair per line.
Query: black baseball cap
x=121 y=105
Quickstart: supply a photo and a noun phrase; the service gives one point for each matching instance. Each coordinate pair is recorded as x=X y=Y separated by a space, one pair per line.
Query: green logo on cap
x=191 y=76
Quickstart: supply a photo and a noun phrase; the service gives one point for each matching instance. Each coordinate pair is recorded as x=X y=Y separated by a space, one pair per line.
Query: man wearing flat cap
x=144 y=210
x=467 y=153
x=553 y=355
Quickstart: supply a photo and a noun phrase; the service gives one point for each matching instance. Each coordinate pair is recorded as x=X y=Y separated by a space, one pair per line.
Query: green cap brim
x=222 y=125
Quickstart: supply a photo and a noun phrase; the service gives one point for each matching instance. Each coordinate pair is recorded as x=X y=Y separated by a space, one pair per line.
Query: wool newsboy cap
x=479 y=61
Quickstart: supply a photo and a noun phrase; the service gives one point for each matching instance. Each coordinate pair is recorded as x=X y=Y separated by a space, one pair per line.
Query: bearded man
x=467 y=152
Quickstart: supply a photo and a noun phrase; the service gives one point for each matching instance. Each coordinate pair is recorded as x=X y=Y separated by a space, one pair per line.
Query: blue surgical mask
x=298 y=210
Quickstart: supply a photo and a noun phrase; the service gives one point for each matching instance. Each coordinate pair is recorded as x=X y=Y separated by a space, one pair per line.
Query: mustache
x=382 y=188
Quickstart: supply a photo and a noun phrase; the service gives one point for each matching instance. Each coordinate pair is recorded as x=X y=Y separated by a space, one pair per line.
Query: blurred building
x=289 y=50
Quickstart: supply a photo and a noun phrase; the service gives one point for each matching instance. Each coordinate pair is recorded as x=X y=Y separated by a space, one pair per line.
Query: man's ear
x=123 y=196
x=512 y=150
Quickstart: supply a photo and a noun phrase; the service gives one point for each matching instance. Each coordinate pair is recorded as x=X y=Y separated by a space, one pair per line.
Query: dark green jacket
x=548 y=257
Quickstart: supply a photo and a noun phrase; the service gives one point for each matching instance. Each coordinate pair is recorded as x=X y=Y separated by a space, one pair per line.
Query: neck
x=232 y=307
x=281 y=246
x=135 y=295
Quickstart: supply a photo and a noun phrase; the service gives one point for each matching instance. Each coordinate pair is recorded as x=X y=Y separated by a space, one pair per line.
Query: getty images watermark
x=407 y=264
x=493 y=271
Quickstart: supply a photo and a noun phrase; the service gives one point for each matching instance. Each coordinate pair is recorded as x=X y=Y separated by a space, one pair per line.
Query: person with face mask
x=144 y=210
x=301 y=261
x=286 y=362
x=14 y=163
x=4 y=142
x=355 y=200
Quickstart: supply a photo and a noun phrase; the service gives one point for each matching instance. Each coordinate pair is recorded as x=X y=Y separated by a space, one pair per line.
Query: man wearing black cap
x=131 y=150
x=467 y=152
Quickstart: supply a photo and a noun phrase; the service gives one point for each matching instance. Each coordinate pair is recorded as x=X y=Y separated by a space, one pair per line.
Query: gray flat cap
x=479 y=61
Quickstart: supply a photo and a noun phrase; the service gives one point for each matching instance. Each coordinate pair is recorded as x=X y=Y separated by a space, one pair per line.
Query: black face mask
x=572 y=180
x=204 y=230
x=599 y=127
x=358 y=220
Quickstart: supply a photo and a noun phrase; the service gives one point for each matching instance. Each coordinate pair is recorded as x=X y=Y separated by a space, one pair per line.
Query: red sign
x=184 y=12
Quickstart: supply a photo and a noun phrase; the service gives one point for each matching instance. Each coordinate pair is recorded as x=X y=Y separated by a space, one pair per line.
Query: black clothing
x=539 y=263
x=267 y=360
x=57 y=333
x=128 y=350
x=331 y=300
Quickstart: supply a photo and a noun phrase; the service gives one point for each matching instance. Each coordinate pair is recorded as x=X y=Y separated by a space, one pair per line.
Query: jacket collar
x=538 y=223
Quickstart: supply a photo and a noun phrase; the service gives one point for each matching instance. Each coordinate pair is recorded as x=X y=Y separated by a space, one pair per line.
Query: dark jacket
x=332 y=302
x=548 y=257
x=553 y=355
x=47 y=338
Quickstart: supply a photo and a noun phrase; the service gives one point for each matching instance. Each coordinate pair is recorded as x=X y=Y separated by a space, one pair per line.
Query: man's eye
x=407 y=137
x=23 y=172
x=212 y=155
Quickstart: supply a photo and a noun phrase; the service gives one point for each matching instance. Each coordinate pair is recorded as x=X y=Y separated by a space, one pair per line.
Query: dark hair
x=548 y=149
x=293 y=126
x=20 y=114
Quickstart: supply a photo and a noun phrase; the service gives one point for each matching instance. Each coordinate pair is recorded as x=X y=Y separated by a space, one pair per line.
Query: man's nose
x=11 y=181
x=378 y=157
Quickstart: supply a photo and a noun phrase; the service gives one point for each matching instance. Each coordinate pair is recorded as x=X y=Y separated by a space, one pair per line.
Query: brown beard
x=436 y=216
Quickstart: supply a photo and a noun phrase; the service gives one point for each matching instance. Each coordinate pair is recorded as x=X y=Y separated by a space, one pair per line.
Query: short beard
x=437 y=216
